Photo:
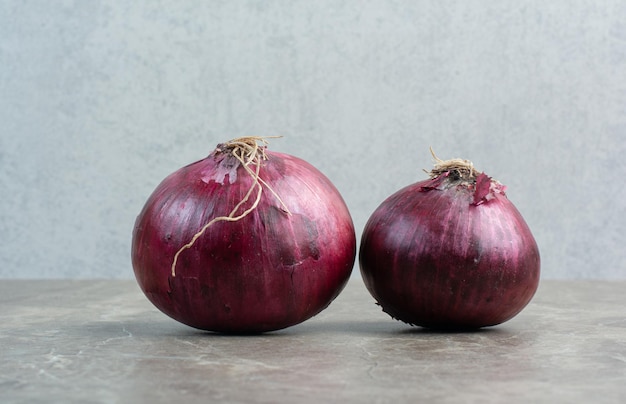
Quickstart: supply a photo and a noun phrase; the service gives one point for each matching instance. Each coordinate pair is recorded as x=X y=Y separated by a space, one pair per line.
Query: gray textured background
x=100 y=100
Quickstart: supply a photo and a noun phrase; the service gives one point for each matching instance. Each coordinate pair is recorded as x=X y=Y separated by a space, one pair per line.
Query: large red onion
x=450 y=252
x=245 y=240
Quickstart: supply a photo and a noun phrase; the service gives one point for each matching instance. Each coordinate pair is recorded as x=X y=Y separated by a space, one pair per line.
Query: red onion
x=450 y=252
x=244 y=241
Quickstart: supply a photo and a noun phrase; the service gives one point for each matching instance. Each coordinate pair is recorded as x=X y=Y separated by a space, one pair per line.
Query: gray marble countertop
x=102 y=342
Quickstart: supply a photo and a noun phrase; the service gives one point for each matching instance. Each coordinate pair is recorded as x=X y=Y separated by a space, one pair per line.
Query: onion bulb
x=245 y=240
x=450 y=252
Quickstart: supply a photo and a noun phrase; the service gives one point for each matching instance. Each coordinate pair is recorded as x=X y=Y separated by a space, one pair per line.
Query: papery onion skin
x=450 y=254
x=267 y=271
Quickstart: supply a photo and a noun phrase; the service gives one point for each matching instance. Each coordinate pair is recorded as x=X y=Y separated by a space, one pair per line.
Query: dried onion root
x=248 y=151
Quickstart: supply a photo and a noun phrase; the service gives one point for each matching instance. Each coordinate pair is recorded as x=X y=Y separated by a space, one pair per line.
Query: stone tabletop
x=83 y=341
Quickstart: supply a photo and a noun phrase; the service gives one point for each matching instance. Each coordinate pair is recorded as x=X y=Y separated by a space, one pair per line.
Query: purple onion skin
x=265 y=272
x=432 y=257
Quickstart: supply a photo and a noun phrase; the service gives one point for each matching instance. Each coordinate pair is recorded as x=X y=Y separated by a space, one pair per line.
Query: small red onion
x=450 y=252
x=244 y=241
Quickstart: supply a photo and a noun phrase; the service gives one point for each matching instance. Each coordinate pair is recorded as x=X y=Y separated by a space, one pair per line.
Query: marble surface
x=103 y=342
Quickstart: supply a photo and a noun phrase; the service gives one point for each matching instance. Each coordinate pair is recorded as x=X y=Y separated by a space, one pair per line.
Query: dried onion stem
x=249 y=152
x=464 y=168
